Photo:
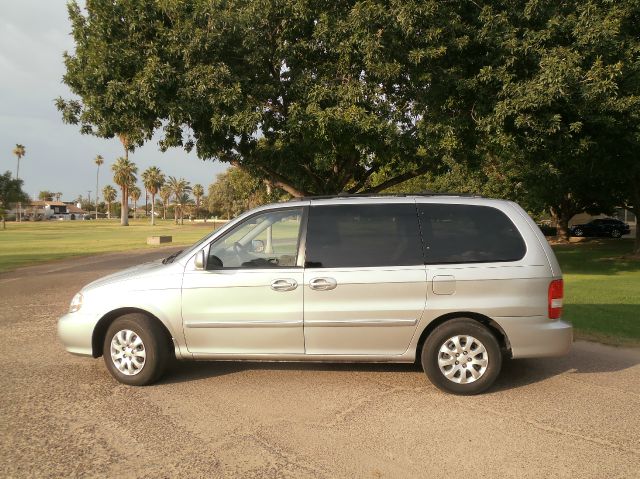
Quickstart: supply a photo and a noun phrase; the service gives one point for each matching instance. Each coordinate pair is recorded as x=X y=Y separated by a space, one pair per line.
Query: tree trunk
x=635 y=209
x=109 y=210
x=153 y=209
x=175 y=214
x=135 y=207
x=124 y=215
x=561 y=217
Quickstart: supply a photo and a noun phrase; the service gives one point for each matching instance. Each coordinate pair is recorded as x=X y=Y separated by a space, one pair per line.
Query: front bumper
x=537 y=336
x=75 y=330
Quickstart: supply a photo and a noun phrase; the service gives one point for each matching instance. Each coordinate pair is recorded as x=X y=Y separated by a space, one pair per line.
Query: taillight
x=556 y=288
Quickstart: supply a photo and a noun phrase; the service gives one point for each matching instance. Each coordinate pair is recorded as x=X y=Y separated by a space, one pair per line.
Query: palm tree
x=165 y=194
x=153 y=180
x=134 y=194
x=109 y=194
x=178 y=187
x=124 y=174
x=19 y=151
x=184 y=203
x=98 y=161
x=198 y=192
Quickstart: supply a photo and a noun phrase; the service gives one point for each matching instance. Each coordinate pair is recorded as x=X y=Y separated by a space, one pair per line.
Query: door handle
x=284 y=284
x=323 y=284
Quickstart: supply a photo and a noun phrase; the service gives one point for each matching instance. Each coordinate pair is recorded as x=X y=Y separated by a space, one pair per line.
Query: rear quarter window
x=468 y=234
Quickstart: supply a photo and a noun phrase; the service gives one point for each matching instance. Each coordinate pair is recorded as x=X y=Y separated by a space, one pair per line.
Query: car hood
x=127 y=274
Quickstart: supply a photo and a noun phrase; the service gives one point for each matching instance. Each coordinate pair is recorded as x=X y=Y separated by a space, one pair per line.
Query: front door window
x=267 y=240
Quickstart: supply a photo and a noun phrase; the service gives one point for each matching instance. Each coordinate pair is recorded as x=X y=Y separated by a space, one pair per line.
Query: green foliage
x=10 y=192
x=316 y=97
x=46 y=195
x=535 y=100
x=565 y=79
x=236 y=191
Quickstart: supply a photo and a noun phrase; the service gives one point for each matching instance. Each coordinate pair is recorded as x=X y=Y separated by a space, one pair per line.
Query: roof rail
x=382 y=195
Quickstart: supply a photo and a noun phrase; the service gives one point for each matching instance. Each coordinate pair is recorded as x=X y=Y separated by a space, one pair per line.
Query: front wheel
x=578 y=232
x=616 y=234
x=462 y=357
x=135 y=350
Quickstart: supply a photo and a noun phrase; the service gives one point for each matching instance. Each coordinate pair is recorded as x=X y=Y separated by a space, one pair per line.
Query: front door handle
x=284 y=284
x=323 y=284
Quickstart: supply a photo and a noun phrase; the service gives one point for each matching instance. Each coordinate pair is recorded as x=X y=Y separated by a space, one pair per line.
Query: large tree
x=314 y=97
x=565 y=78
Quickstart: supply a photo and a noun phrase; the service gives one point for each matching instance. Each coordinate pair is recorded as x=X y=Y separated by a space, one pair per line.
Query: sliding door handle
x=323 y=284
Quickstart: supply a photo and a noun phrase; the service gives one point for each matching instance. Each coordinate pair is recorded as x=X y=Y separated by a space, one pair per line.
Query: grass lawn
x=30 y=243
x=602 y=290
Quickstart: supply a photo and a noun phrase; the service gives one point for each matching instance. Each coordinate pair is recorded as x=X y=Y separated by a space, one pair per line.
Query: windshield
x=191 y=249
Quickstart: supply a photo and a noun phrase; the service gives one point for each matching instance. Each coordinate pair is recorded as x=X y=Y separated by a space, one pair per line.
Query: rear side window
x=468 y=234
x=352 y=236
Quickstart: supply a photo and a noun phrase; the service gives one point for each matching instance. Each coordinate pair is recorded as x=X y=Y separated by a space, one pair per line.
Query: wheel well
x=489 y=323
x=97 y=339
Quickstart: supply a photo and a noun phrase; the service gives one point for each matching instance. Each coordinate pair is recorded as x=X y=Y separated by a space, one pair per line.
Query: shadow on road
x=584 y=358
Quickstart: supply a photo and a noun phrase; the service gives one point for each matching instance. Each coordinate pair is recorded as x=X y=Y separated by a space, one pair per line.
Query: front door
x=249 y=298
x=365 y=280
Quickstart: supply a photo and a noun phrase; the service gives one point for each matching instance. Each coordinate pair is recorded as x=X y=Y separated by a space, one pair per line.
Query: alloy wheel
x=128 y=352
x=463 y=359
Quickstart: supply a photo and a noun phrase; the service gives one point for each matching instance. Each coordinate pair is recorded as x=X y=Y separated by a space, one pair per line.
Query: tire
x=440 y=340
x=145 y=355
x=578 y=232
x=616 y=233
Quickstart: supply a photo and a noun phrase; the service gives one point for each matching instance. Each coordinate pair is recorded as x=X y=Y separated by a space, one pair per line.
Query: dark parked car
x=601 y=227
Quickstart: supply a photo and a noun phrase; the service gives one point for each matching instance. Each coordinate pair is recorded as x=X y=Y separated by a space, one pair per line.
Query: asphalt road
x=63 y=416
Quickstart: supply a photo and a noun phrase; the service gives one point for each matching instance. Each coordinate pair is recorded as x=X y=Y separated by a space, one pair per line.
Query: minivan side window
x=265 y=240
x=454 y=233
x=351 y=236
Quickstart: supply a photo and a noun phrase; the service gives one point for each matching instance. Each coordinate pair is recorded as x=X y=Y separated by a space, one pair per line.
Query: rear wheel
x=578 y=232
x=135 y=349
x=462 y=357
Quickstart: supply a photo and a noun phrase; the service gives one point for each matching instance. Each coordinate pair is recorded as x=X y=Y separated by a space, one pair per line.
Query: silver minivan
x=456 y=282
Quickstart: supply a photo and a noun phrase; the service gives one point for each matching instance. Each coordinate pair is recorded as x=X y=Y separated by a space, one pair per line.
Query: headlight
x=76 y=303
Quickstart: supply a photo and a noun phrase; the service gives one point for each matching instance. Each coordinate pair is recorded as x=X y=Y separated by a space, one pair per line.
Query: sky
x=33 y=36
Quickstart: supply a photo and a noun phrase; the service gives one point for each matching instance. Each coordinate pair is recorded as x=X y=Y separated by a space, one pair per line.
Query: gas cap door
x=443 y=284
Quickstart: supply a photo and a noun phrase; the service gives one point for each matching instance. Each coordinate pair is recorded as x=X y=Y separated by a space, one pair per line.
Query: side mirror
x=199 y=260
x=257 y=246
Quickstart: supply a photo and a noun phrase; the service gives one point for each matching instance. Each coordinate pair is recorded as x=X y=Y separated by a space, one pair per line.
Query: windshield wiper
x=170 y=258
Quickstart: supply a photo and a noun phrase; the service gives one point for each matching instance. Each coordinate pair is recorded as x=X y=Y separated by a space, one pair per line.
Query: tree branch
x=396 y=180
x=277 y=180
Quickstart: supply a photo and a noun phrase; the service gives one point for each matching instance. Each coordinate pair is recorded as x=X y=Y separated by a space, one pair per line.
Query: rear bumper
x=75 y=330
x=537 y=336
